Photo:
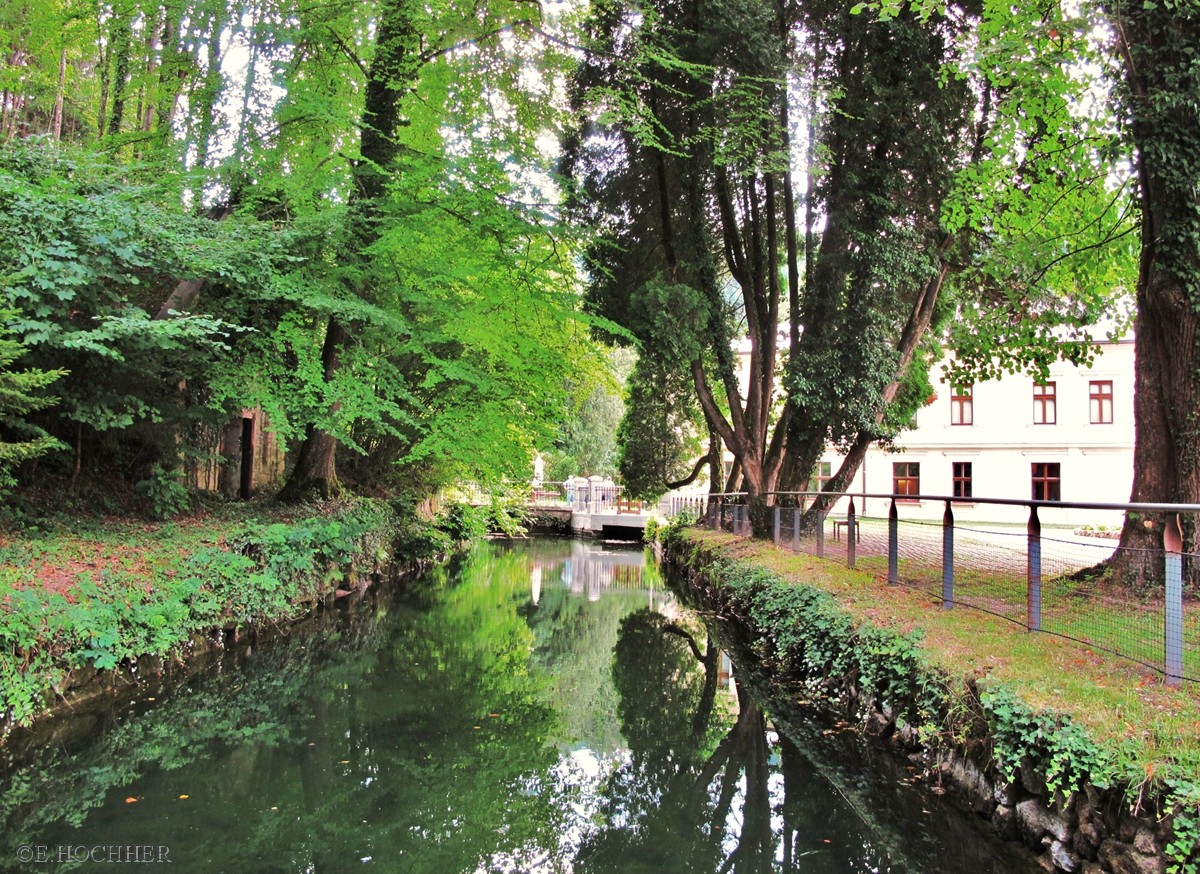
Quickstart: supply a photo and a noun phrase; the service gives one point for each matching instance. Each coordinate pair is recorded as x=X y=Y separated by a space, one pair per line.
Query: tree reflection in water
x=540 y=708
x=702 y=789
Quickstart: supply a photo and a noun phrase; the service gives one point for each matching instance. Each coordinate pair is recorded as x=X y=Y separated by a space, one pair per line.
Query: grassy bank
x=98 y=596
x=1034 y=707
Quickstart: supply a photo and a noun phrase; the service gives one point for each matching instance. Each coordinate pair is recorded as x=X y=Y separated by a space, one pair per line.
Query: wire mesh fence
x=1044 y=580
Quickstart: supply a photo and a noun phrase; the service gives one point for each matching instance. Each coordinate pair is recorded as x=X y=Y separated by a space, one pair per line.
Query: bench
x=839 y=524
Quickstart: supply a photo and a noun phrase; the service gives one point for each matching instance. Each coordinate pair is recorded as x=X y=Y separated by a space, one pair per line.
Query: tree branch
x=691 y=478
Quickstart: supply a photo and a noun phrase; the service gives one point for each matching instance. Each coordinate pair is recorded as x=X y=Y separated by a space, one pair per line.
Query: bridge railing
x=581 y=497
x=1044 y=575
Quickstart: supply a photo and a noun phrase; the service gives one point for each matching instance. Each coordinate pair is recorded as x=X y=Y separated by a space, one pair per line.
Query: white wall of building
x=1003 y=442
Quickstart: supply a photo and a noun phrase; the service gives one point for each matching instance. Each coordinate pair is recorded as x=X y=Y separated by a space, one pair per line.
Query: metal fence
x=1029 y=574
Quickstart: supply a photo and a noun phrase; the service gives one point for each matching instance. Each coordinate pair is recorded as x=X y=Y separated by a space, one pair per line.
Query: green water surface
x=536 y=707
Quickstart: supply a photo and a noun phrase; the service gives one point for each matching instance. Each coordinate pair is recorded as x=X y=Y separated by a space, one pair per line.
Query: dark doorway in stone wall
x=247 y=470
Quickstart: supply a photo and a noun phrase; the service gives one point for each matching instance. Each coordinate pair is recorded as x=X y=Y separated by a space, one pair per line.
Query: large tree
x=690 y=190
x=1159 y=47
x=455 y=297
x=357 y=186
x=955 y=166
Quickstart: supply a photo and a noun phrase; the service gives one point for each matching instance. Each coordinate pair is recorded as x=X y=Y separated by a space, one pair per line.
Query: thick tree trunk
x=1158 y=45
x=1138 y=561
x=315 y=471
x=393 y=70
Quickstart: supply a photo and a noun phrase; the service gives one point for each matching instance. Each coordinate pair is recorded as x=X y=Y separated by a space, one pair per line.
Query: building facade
x=1068 y=439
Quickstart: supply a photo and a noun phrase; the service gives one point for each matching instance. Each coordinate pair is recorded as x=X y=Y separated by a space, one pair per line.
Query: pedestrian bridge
x=593 y=506
x=590 y=506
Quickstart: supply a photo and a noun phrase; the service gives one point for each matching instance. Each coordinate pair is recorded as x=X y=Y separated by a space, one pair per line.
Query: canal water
x=541 y=706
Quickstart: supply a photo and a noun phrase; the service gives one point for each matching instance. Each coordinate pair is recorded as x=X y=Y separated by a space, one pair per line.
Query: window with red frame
x=1045 y=409
x=962 y=479
x=1047 y=481
x=906 y=478
x=1100 y=401
x=962 y=406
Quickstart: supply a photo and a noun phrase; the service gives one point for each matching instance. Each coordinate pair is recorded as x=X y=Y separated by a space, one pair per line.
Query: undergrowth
x=261 y=572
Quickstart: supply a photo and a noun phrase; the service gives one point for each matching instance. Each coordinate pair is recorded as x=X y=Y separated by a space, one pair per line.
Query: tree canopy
x=341 y=215
x=948 y=171
x=347 y=216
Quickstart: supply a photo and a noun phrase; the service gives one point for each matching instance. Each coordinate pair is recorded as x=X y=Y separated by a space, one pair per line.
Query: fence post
x=850 y=542
x=893 y=546
x=1033 y=572
x=948 y=558
x=795 y=529
x=1173 y=620
x=820 y=533
x=776 y=537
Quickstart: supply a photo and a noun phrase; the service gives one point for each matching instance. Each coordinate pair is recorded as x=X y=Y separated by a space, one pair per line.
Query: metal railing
x=1030 y=574
x=585 y=497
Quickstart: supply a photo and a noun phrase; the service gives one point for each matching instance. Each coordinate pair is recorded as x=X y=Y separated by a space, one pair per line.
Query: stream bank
x=100 y=620
x=1033 y=774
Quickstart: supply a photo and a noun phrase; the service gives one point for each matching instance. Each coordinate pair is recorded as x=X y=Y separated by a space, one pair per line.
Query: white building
x=1070 y=439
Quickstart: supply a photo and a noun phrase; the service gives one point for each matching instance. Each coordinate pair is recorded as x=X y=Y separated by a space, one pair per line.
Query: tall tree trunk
x=393 y=70
x=315 y=471
x=1158 y=45
x=56 y=118
x=122 y=46
x=147 y=94
x=172 y=70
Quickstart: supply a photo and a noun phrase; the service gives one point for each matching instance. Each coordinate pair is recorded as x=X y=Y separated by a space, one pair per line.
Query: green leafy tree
x=442 y=250
x=93 y=250
x=20 y=395
x=701 y=199
x=586 y=440
x=660 y=432
x=949 y=166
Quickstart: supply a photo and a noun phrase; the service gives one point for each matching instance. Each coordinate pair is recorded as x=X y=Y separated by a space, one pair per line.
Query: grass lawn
x=1124 y=706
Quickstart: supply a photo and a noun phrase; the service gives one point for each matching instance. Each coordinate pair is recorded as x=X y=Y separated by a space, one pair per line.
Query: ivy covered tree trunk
x=122 y=45
x=1159 y=44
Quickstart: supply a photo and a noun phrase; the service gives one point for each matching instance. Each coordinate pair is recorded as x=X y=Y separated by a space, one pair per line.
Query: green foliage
x=94 y=249
x=585 y=443
x=1049 y=201
x=507 y=509
x=650 y=532
x=20 y=395
x=1183 y=849
x=659 y=436
x=1048 y=743
x=266 y=573
x=164 y=494
x=465 y=522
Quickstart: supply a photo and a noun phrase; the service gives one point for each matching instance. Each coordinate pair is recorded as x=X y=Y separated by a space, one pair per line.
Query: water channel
x=535 y=707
